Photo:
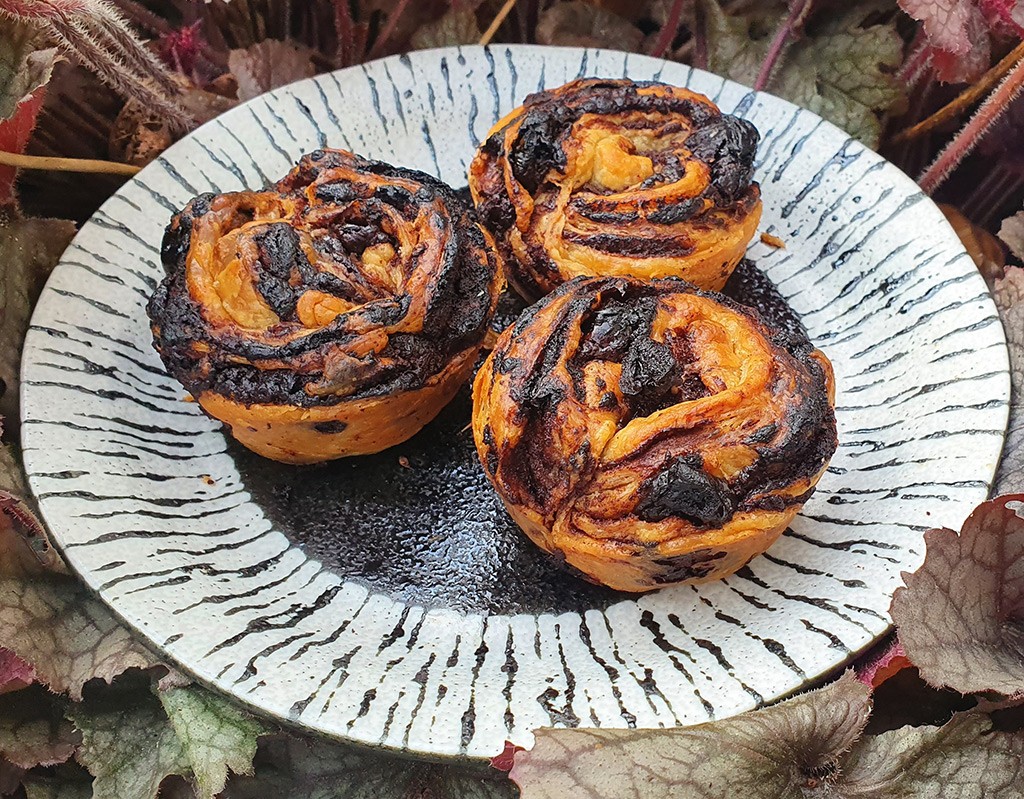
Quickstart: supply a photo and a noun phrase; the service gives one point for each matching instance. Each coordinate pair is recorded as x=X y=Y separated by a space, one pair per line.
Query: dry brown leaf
x=577 y=24
x=268 y=65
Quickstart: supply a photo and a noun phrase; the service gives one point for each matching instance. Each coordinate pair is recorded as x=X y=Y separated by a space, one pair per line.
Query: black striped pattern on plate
x=117 y=460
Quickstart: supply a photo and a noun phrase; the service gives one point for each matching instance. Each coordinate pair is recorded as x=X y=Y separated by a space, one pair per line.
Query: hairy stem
x=668 y=30
x=965 y=99
x=134 y=54
x=389 y=29
x=915 y=65
x=700 y=36
x=798 y=10
x=86 y=52
x=970 y=134
x=345 y=29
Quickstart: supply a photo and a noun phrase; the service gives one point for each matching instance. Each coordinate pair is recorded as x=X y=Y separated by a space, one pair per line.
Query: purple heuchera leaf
x=961 y=615
x=957 y=34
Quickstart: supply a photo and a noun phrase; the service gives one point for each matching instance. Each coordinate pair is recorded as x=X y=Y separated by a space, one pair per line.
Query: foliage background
x=90 y=90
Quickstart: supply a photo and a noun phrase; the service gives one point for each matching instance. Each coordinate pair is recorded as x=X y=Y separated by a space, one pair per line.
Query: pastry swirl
x=652 y=433
x=334 y=313
x=617 y=178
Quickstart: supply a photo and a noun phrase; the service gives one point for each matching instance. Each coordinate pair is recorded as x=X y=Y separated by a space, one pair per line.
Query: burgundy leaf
x=15 y=673
x=885 y=663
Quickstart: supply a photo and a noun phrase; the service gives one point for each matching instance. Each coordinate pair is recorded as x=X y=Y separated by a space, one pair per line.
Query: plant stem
x=916 y=62
x=389 y=29
x=965 y=99
x=496 y=22
x=344 y=27
x=970 y=134
x=798 y=10
x=66 y=164
x=668 y=30
x=700 y=36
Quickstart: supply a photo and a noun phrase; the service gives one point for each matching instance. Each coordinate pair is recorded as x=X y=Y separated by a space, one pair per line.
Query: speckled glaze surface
x=397 y=606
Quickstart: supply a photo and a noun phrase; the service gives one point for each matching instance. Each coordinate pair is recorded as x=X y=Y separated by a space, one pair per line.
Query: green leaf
x=846 y=75
x=23 y=69
x=46 y=787
x=773 y=752
x=457 y=26
x=129 y=750
x=29 y=248
x=959 y=615
x=737 y=44
x=215 y=735
x=842 y=70
x=307 y=768
x=33 y=730
x=1008 y=293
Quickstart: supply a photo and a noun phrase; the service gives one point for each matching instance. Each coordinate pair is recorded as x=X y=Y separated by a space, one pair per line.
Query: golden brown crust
x=649 y=432
x=332 y=314
x=617 y=178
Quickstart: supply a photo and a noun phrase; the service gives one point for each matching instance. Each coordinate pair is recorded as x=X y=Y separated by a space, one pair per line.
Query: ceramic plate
x=399 y=606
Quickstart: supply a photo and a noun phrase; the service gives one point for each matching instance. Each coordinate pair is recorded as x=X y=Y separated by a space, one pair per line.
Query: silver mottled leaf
x=1008 y=293
x=129 y=750
x=773 y=752
x=216 y=735
x=959 y=615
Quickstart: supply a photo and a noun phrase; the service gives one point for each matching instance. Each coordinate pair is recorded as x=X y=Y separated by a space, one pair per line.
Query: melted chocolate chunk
x=279 y=253
x=395 y=196
x=676 y=212
x=644 y=246
x=497 y=212
x=729 y=144
x=685 y=490
x=536 y=150
x=609 y=332
x=649 y=372
x=339 y=192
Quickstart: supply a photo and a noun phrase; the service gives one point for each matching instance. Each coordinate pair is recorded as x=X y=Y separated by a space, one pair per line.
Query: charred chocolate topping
x=610 y=320
x=654 y=171
x=349 y=278
x=649 y=432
